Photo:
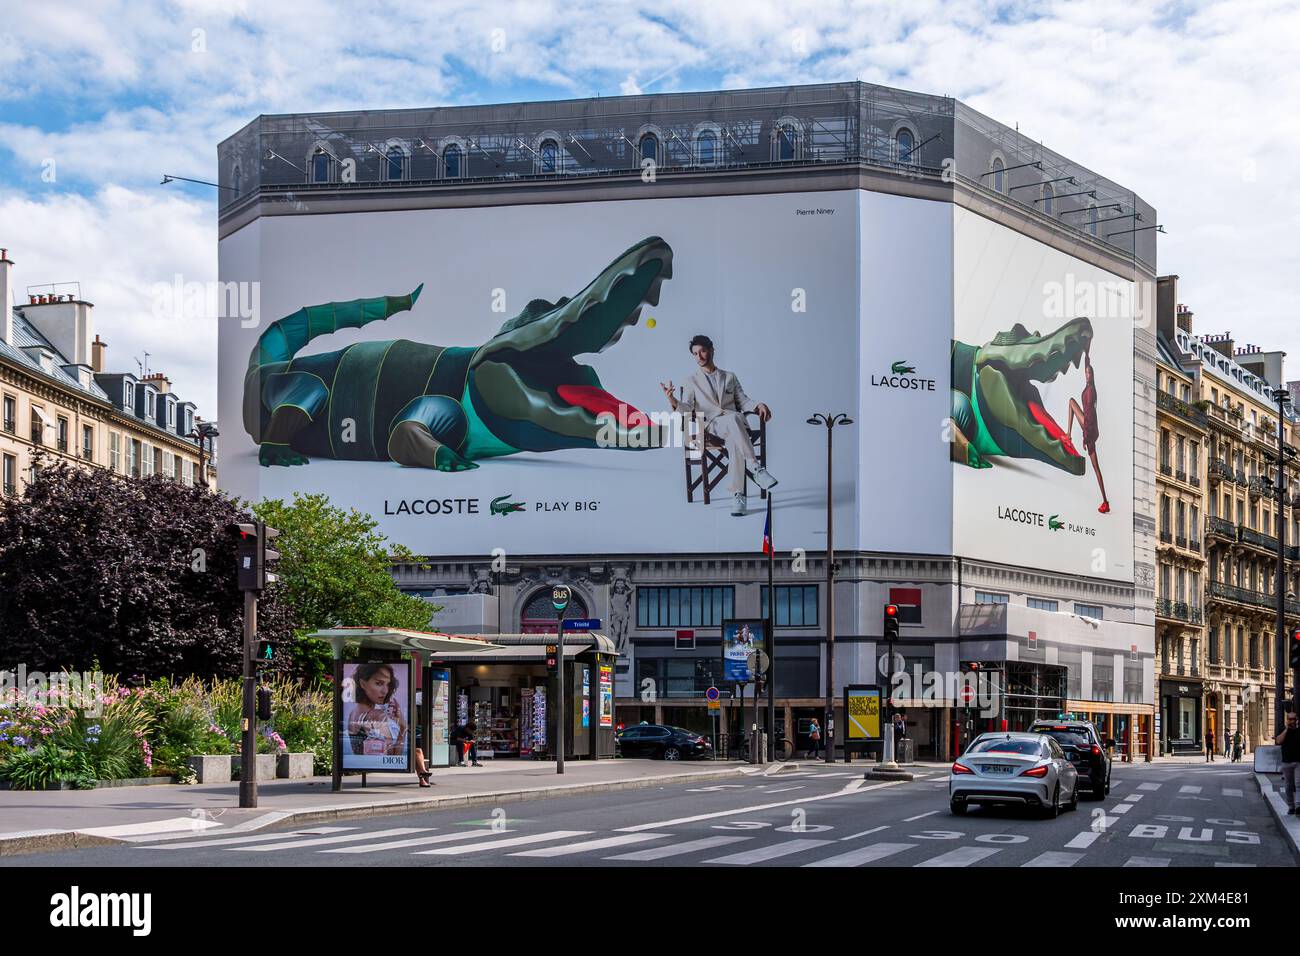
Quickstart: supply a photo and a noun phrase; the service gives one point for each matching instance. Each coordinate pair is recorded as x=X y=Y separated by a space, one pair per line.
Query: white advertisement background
x=1001 y=278
x=904 y=481
x=739 y=264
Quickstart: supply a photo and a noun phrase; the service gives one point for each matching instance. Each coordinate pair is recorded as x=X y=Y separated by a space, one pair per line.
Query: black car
x=662 y=742
x=1086 y=750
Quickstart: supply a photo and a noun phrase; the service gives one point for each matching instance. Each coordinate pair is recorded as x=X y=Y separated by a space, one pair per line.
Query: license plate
x=995 y=768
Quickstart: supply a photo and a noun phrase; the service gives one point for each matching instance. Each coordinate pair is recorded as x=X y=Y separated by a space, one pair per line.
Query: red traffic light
x=891 y=610
x=1295 y=635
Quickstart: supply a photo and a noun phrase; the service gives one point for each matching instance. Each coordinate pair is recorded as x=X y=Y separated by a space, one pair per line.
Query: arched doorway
x=539 y=617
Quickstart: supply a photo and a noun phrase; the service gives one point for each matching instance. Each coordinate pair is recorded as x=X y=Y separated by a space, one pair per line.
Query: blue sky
x=1188 y=103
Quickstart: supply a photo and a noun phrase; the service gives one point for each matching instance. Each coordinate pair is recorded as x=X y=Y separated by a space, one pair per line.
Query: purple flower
x=20 y=741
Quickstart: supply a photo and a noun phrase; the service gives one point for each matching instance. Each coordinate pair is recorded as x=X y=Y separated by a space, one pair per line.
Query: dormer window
x=128 y=395
x=149 y=410
x=171 y=414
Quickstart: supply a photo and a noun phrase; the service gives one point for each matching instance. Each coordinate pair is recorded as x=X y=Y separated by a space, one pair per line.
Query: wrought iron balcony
x=61 y=444
x=1183 y=410
x=1220 y=526
x=38 y=434
x=11 y=426
x=1195 y=545
x=1180 y=541
x=1293 y=552
x=1166 y=537
x=1241 y=477
x=1180 y=475
x=1256 y=486
x=1219 y=469
x=1230 y=592
x=10 y=490
x=1258 y=539
x=1178 y=610
x=1167 y=470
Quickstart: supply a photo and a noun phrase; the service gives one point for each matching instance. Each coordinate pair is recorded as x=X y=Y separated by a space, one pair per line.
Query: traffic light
x=1295 y=647
x=264 y=703
x=891 y=622
x=253 y=554
x=263 y=652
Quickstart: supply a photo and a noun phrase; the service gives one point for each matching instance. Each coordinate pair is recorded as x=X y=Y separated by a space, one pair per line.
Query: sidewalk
x=32 y=820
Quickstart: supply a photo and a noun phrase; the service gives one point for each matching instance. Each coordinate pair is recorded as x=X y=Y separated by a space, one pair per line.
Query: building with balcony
x=59 y=402
x=1183 y=432
x=1245 y=515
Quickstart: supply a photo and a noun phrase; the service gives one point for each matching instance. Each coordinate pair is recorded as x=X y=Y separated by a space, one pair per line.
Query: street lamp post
x=830 y=420
x=203 y=432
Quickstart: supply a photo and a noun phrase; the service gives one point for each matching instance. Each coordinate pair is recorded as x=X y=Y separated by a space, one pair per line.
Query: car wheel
x=1074 y=798
x=672 y=753
x=1054 y=809
x=1106 y=792
x=958 y=808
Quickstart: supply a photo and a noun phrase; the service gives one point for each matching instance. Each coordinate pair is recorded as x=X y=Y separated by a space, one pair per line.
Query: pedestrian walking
x=900 y=727
x=1236 y=746
x=814 y=739
x=1289 y=739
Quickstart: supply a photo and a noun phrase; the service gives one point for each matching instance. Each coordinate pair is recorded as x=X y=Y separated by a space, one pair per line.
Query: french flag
x=767 y=534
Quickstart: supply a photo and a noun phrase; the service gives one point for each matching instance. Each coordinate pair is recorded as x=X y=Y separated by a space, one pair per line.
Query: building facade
x=59 y=402
x=1065 y=618
x=1221 y=676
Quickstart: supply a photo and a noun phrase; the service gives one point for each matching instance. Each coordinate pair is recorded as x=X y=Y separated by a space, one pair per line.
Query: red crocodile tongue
x=1047 y=421
x=598 y=401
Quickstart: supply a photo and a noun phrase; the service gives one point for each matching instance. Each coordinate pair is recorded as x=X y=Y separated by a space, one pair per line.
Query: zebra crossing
x=648 y=847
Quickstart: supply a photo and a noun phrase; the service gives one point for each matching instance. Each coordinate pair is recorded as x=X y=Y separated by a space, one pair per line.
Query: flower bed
x=117 y=733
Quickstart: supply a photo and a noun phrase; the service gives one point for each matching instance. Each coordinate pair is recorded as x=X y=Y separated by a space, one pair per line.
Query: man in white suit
x=715 y=394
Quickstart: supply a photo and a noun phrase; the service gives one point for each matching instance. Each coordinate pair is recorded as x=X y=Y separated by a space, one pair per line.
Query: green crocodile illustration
x=996 y=407
x=500 y=506
x=902 y=368
x=431 y=406
x=1054 y=523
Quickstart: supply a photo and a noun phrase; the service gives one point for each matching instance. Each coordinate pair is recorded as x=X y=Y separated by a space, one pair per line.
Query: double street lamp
x=830 y=420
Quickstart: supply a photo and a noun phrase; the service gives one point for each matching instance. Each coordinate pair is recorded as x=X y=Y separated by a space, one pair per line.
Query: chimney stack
x=97 y=349
x=6 y=295
x=159 y=381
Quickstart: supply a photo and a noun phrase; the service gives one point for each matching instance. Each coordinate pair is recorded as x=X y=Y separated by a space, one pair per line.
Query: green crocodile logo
x=902 y=368
x=500 y=506
x=1054 y=524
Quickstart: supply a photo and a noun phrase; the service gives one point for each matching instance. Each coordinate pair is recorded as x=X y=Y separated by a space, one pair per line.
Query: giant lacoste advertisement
x=554 y=379
x=1041 y=422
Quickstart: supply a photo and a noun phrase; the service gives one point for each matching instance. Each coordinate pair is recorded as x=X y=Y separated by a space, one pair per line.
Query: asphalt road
x=1161 y=814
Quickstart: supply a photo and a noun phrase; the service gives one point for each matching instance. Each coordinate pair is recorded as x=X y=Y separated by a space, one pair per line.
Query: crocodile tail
x=285 y=337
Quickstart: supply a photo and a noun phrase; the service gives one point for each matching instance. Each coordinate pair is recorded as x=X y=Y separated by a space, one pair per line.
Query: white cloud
x=1188 y=104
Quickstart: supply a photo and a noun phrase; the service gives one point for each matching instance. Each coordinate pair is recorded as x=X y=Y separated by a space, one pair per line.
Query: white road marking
x=848 y=790
x=497 y=844
x=1231 y=792
x=866 y=832
x=1188 y=788
x=605 y=843
x=157 y=826
x=322 y=841
x=772 y=852
x=1134 y=797
x=964 y=856
x=867 y=854
x=1235 y=864
x=1083 y=840
x=416 y=841
x=1150 y=786
x=1122 y=808
x=920 y=816
x=1147 y=861
x=785 y=789
x=256 y=838
x=678 y=849
x=1055 y=858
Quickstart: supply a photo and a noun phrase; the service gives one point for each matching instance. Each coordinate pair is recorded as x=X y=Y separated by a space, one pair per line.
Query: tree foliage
x=137 y=575
x=335 y=571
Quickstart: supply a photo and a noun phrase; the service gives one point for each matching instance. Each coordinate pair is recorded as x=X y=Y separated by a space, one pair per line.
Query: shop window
x=796 y=605
x=1103 y=677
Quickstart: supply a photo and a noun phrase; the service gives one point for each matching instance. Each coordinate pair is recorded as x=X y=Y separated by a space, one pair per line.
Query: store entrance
x=507 y=705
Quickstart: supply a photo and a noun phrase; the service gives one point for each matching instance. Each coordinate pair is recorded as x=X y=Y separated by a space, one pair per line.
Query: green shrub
x=47 y=764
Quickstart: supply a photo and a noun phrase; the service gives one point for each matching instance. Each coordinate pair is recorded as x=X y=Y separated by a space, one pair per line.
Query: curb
x=39 y=841
x=1289 y=825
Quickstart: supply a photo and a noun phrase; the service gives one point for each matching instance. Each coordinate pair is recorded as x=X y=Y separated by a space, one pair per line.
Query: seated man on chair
x=717 y=396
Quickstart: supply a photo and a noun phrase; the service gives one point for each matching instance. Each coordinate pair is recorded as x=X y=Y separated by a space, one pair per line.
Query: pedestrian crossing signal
x=263 y=652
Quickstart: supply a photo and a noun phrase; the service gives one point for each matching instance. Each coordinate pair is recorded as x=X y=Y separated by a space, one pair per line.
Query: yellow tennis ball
x=650 y=323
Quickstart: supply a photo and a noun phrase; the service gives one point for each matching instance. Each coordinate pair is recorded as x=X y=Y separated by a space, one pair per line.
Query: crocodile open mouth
x=529 y=371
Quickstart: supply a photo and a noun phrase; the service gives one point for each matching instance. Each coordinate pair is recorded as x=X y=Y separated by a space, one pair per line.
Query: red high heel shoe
x=1105 y=507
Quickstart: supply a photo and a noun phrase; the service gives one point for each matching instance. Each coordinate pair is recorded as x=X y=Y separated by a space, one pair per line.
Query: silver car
x=1014 y=768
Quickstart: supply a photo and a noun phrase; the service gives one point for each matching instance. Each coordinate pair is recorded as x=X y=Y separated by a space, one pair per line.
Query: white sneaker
x=738 y=509
x=763 y=478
